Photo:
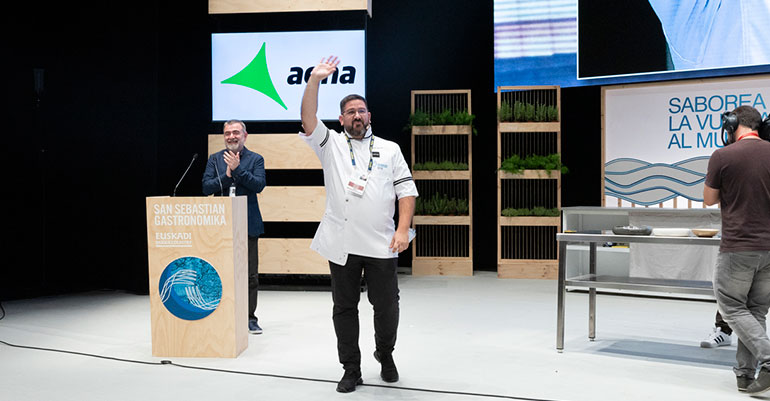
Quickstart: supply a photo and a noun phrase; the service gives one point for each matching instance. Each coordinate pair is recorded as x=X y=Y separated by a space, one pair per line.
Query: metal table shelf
x=592 y=281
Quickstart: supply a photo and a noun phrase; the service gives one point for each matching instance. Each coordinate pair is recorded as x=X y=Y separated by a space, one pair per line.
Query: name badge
x=357 y=184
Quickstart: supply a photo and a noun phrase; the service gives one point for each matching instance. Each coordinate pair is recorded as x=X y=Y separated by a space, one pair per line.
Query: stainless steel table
x=592 y=281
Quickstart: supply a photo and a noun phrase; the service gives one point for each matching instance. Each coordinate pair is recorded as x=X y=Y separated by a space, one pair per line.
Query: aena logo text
x=256 y=76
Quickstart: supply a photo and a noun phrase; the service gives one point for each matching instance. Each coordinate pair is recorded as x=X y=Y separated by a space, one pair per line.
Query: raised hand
x=325 y=68
x=310 y=96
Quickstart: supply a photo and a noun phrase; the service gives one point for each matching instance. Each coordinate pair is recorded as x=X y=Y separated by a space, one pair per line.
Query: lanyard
x=749 y=134
x=353 y=157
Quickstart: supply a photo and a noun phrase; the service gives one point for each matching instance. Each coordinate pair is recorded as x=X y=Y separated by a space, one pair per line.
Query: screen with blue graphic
x=600 y=42
x=261 y=76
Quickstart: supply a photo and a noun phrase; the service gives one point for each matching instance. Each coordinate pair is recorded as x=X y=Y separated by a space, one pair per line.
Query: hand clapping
x=233 y=160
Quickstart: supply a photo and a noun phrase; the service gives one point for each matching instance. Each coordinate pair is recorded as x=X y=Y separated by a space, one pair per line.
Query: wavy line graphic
x=190 y=288
x=646 y=183
x=655 y=177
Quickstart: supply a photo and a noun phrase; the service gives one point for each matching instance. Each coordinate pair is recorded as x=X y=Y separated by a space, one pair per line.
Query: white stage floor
x=475 y=335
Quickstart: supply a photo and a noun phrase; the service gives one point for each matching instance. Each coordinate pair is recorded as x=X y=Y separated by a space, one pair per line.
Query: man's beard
x=356 y=133
x=233 y=147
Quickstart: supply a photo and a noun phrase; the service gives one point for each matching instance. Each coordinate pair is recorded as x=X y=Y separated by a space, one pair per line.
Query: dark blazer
x=249 y=179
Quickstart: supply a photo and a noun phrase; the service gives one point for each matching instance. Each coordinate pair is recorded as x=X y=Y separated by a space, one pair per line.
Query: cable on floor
x=309 y=379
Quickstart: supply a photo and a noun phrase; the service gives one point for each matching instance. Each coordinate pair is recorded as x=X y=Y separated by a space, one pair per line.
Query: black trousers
x=381 y=280
x=253 y=276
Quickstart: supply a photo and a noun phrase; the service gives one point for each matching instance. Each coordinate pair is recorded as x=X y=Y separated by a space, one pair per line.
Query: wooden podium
x=198 y=270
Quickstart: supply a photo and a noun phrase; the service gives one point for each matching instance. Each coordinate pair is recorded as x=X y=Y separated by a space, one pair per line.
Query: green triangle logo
x=256 y=76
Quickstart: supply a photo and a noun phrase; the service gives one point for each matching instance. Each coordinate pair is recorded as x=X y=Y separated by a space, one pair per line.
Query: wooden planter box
x=530 y=127
x=440 y=238
x=441 y=175
x=527 y=244
x=530 y=175
x=442 y=130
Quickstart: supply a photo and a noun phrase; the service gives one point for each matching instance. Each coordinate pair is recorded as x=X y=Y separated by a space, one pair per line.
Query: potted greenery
x=527 y=112
x=516 y=165
x=441 y=205
x=445 y=165
x=537 y=211
x=444 y=122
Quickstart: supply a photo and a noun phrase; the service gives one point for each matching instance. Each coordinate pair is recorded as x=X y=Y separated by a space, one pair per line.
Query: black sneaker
x=761 y=384
x=254 y=327
x=388 y=373
x=744 y=381
x=349 y=381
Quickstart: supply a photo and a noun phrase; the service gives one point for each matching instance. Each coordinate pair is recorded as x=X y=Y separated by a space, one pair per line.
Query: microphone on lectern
x=195 y=156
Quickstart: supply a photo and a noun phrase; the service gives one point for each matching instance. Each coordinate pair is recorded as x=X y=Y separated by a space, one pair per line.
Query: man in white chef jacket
x=363 y=175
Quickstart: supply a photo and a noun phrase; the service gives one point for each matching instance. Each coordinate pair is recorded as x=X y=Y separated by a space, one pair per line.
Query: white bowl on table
x=671 y=232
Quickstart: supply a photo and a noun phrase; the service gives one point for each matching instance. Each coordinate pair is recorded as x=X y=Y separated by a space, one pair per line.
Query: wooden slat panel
x=292 y=203
x=519 y=88
x=441 y=175
x=528 y=269
x=290 y=256
x=442 y=267
x=442 y=220
x=217 y=142
x=530 y=127
x=530 y=221
x=272 y=6
x=442 y=130
x=530 y=175
x=281 y=151
x=284 y=151
x=441 y=92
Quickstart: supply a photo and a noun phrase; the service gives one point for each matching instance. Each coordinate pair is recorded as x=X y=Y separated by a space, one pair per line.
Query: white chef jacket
x=352 y=224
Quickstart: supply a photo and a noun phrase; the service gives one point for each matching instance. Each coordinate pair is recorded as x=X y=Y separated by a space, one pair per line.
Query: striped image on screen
x=534 y=28
x=535 y=42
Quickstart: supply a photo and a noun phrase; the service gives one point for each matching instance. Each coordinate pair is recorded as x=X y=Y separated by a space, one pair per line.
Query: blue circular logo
x=190 y=288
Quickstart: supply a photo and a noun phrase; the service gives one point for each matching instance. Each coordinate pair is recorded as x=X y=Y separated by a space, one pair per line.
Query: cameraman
x=738 y=177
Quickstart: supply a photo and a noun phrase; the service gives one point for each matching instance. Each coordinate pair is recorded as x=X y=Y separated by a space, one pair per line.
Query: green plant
x=439 y=205
x=545 y=113
x=419 y=118
x=552 y=113
x=515 y=164
x=444 y=165
x=513 y=212
x=505 y=112
x=446 y=117
x=526 y=112
x=536 y=211
x=523 y=111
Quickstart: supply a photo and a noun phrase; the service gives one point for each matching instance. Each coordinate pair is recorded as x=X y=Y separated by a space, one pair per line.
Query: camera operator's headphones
x=730 y=124
x=764 y=129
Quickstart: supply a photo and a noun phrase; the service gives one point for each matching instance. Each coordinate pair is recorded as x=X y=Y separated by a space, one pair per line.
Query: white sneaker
x=717 y=339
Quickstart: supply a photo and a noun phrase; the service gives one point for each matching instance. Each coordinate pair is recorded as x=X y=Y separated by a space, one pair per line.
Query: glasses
x=352 y=112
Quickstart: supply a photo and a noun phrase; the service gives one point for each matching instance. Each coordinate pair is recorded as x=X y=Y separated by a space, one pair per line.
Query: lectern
x=198 y=270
